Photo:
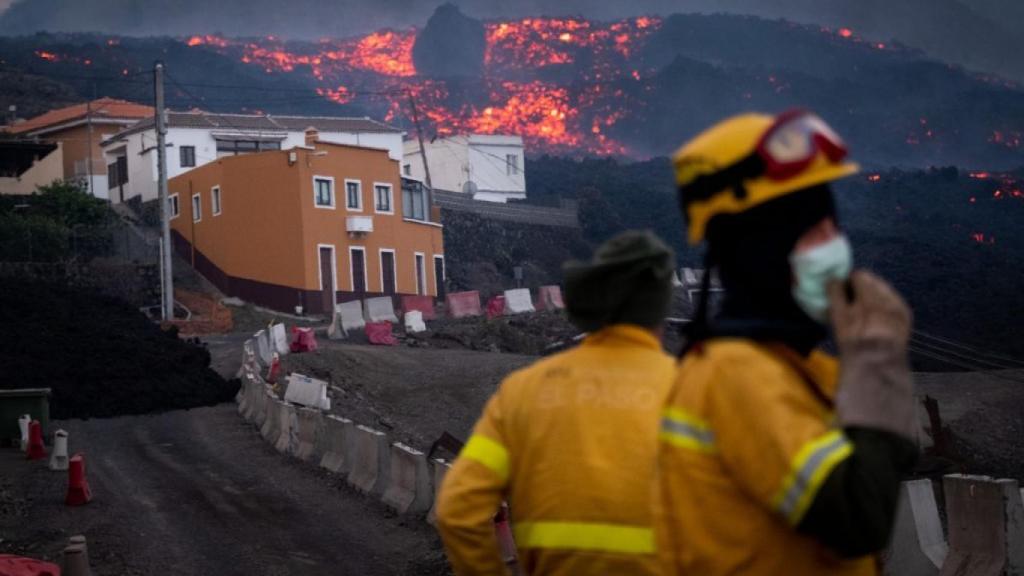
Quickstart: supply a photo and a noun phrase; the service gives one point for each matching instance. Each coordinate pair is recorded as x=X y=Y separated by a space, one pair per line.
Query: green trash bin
x=14 y=403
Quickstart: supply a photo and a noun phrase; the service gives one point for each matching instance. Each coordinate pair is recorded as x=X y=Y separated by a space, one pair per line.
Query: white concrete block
x=263 y=396
x=918 y=547
x=335 y=444
x=351 y=315
x=370 y=469
x=59 y=458
x=279 y=339
x=986 y=526
x=518 y=301
x=271 y=429
x=308 y=423
x=409 y=487
x=287 y=440
x=414 y=322
x=307 y=391
x=380 y=309
x=23 y=423
x=263 y=347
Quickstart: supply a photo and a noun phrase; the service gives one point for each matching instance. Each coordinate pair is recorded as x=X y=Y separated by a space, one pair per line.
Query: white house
x=490 y=167
x=196 y=138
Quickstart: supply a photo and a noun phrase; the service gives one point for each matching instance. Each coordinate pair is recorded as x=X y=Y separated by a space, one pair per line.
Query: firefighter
x=776 y=458
x=571 y=441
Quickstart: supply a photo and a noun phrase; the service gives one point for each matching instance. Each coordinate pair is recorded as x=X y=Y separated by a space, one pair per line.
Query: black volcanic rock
x=451 y=44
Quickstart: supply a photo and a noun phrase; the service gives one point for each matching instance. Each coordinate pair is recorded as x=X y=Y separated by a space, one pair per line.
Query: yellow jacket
x=746 y=442
x=571 y=443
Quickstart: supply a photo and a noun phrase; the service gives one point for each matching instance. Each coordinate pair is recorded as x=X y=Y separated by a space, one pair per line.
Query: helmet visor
x=793 y=142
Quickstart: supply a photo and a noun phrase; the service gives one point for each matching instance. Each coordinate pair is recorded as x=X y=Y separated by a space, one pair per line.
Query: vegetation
x=58 y=223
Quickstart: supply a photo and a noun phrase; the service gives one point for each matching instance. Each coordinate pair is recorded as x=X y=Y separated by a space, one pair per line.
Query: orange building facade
x=307 y=227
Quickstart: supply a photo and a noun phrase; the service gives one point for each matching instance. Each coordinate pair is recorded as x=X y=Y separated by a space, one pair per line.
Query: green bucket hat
x=628 y=281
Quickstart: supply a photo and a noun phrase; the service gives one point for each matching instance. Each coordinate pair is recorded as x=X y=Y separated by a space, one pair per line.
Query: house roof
x=264 y=122
x=109 y=109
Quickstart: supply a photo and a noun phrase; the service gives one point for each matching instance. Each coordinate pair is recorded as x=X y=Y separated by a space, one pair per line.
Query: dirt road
x=197 y=492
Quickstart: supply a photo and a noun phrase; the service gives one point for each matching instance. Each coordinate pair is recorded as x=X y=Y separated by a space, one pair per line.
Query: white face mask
x=813 y=269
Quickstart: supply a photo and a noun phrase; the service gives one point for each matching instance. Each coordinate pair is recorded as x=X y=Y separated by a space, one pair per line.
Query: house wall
x=43 y=172
x=480 y=159
x=264 y=246
x=76 y=143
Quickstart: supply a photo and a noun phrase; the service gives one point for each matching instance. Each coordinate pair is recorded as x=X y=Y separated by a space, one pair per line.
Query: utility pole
x=419 y=136
x=88 y=122
x=161 y=166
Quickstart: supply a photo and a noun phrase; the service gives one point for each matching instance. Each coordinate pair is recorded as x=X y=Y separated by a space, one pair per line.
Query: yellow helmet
x=750 y=159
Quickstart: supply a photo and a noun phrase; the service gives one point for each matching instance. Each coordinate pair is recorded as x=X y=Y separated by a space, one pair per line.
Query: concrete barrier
x=422 y=304
x=250 y=357
x=409 y=482
x=307 y=391
x=986 y=526
x=414 y=322
x=254 y=396
x=918 y=547
x=288 y=439
x=271 y=428
x=369 y=471
x=438 y=468
x=463 y=304
x=518 y=301
x=279 y=339
x=263 y=349
x=263 y=396
x=550 y=298
x=351 y=314
x=334 y=444
x=380 y=309
x=308 y=424
x=242 y=398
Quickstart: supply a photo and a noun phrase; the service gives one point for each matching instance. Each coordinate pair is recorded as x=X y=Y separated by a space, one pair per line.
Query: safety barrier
x=279 y=339
x=414 y=322
x=380 y=309
x=351 y=314
x=986 y=526
x=333 y=444
x=550 y=298
x=263 y=397
x=463 y=304
x=308 y=424
x=423 y=304
x=369 y=472
x=409 y=482
x=288 y=438
x=249 y=355
x=59 y=459
x=307 y=391
x=263 y=349
x=271 y=428
x=917 y=547
x=438 y=468
x=518 y=301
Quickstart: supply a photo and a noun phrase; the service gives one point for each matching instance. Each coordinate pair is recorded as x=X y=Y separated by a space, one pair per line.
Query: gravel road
x=198 y=492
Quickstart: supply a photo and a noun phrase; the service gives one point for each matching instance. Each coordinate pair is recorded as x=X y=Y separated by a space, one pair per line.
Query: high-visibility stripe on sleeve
x=810 y=467
x=488 y=452
x=683 y=430
x=615 y=538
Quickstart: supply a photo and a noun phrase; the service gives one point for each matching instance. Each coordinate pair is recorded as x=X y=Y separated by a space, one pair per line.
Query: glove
x=872 y=330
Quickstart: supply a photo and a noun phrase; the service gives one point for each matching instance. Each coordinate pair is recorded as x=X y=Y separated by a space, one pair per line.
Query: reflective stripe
x=686 y=431
x=617 y=538
x=487 y=452
x=810 y=468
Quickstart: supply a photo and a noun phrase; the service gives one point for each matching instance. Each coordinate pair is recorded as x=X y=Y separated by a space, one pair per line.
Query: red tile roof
x=104 y=108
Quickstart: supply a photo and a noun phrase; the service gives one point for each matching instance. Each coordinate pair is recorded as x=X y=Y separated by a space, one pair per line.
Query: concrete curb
x=409 y=483
x=918 y=547
x=369 y=472
x=334 y=444
x=986 y=526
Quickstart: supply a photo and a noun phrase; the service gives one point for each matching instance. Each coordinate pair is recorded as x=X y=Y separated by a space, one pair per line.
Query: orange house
x=308 y=227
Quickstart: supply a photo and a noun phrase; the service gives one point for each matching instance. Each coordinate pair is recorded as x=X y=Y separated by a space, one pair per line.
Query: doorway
x=328 y=279
x=387 y=271
x=421 y=274
x=358 y=260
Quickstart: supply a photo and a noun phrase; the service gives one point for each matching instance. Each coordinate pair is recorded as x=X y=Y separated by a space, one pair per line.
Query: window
x=382 y=198
x=354 y=195
x=407 y=169
x=235 y=147
x=197 y=207
x=414 y=201
x=512 y=164
x=323 y=190
x=117 y=172
x=172 y=202
x=215 y=199
x=187 y=156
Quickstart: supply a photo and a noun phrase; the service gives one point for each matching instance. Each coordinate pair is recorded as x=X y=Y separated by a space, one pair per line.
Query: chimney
x=312 y=135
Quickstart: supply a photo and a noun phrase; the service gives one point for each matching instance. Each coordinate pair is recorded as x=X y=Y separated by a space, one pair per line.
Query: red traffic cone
x=36 y=450
x=78 y=486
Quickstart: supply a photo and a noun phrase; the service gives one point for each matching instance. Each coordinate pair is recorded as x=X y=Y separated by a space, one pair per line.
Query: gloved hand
x=872 y=330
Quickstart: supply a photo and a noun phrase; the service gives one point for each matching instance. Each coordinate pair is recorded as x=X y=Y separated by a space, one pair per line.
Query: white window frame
x=358 y=183
x=407 y=170
x=334 y=267
x=334 y=193
x=351 y=274
x=197 y=207
x=181 y=151
x=380 y=257
x=511 y=164
x=216 y=201
x=172 y=200
x=391 y=197
x=444 y=272
x=416 y=272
